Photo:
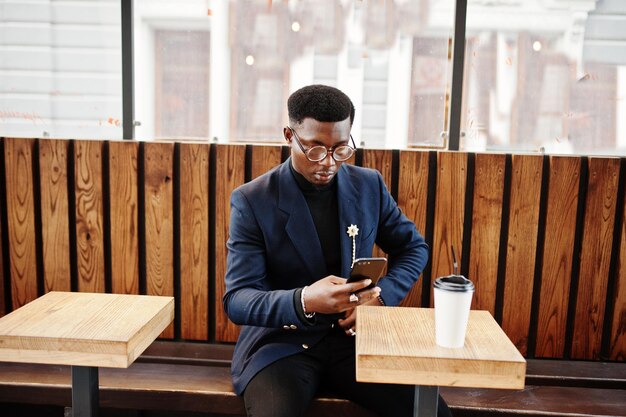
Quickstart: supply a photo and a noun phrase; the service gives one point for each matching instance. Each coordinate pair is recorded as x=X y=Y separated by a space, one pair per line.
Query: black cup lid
x=457 y=283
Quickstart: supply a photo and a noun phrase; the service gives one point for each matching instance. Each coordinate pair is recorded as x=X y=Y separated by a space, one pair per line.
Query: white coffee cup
x=453 y=297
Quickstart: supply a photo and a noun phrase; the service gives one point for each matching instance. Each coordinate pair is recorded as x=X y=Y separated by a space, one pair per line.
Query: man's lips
x=325 y=174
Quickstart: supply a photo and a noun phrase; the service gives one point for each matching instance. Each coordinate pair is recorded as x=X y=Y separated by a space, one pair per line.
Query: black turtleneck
x=322 y=202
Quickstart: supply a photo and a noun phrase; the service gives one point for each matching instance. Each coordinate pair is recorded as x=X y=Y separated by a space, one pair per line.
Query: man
x=294 y=234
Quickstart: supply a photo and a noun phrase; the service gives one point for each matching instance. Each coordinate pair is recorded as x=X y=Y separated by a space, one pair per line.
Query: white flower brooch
x=353 y=231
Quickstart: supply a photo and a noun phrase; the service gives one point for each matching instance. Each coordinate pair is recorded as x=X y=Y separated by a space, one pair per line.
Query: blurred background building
x=540 y=75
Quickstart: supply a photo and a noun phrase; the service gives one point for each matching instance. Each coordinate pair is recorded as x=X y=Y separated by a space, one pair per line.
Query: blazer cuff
x=300 y=311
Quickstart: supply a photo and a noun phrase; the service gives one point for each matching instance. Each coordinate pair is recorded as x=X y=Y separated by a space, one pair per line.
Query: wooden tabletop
x=397 y=345
x=84 y=329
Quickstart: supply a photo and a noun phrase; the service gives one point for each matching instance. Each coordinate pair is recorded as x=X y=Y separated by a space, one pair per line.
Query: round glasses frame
x=340 y=153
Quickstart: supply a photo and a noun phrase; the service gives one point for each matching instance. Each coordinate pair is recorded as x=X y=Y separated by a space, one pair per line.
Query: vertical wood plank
x=526 y=174
x=449 y=212
x=124 y=217
x=21 y=220
x=3 y=307
x=159 y=221
x=486 y=225
x=264 y=158
x=381 y=160
x=54 y=214
x=194 y=241
x=557 y=256
x=89 y=225
x=229 y=174
x=595 y=257
x=413 y=201
x=617 y=345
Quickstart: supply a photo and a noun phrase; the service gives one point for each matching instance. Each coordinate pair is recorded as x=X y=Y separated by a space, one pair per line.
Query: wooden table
x=86 y=331
x=396 y=345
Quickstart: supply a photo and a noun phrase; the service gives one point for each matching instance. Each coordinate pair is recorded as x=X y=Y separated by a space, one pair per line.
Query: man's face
x=313 y=133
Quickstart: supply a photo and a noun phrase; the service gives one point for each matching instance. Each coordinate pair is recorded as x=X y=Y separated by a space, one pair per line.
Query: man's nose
x=328 y=159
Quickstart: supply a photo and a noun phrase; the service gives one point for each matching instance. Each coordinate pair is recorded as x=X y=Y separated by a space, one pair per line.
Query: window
x=224 y=70
x=542 y=76
x=391 y=58
x=545 y=77
x=60 y=69
x=260 y=57
x=182 y=84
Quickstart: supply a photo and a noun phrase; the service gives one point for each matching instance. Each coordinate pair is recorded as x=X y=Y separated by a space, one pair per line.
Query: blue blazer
x=273 y=250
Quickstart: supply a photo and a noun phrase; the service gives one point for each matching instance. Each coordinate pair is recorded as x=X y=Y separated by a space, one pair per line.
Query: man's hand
x=333 y=295
x=348 y=324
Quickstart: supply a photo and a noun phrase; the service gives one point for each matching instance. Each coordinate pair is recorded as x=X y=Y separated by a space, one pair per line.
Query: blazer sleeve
x=249 y=299
x=406 y=247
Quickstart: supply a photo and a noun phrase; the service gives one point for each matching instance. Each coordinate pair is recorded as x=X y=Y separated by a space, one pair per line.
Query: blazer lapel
x=299 y=225
x=350 y=212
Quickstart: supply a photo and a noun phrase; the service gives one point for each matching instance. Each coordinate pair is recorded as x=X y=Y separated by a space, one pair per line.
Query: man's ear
x=287 y=134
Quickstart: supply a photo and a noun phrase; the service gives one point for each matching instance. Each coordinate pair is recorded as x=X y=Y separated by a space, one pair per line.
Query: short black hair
x=320 y=102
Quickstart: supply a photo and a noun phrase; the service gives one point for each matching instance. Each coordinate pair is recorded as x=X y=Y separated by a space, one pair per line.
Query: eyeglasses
x=318 y=153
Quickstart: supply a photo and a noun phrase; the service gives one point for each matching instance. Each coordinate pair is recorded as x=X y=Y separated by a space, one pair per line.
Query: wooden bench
x=542 y=237
x=186 y=377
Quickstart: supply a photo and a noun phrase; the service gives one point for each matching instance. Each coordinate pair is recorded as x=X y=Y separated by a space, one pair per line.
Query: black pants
x=286 y=387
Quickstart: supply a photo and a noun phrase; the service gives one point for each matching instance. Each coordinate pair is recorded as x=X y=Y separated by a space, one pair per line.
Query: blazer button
x=304 y=345
x=293 y=327
x=286 y=327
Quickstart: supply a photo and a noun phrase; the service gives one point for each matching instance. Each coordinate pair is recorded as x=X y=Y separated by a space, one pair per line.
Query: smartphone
x=364 y=268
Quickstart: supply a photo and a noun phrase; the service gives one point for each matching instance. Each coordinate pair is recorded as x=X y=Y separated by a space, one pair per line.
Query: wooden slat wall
x=413 y=201
x=230 y=173
x=617 y=338
x=557 y=256
x=89 y=212
x=3 y=307
x=54 y=215
x=194 y=241
x=486 y=221
x=18 y=154
x=525 y=196
x=123 y=200
x=4 y=277
x=449 y=212
x=159 y=221
x=264 y=158
x=380 y=160
x=519 y=213
x=595 y=257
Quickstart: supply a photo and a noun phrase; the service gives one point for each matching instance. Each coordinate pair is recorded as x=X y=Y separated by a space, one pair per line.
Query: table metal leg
x=426 y=399
x=85 y=396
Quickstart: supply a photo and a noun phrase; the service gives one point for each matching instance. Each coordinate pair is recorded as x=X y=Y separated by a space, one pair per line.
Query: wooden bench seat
x=576 y=374
x=194 y=377
x=146 y=386
x=536 y=401
x=553 y=388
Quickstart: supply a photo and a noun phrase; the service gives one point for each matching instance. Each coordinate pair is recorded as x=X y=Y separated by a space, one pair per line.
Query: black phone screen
x=371 y=268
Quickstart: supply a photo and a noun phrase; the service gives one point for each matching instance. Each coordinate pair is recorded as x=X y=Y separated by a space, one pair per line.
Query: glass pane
x=60 y=69
x=173 y=64
x=224 y=69
x=182 y=83
x=546 y=77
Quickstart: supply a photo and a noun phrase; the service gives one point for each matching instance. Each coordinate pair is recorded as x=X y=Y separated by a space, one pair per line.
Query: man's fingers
x=369 y=294
x=349 y=321
x=359 y=285
x=337 y=280
x=365 y=295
